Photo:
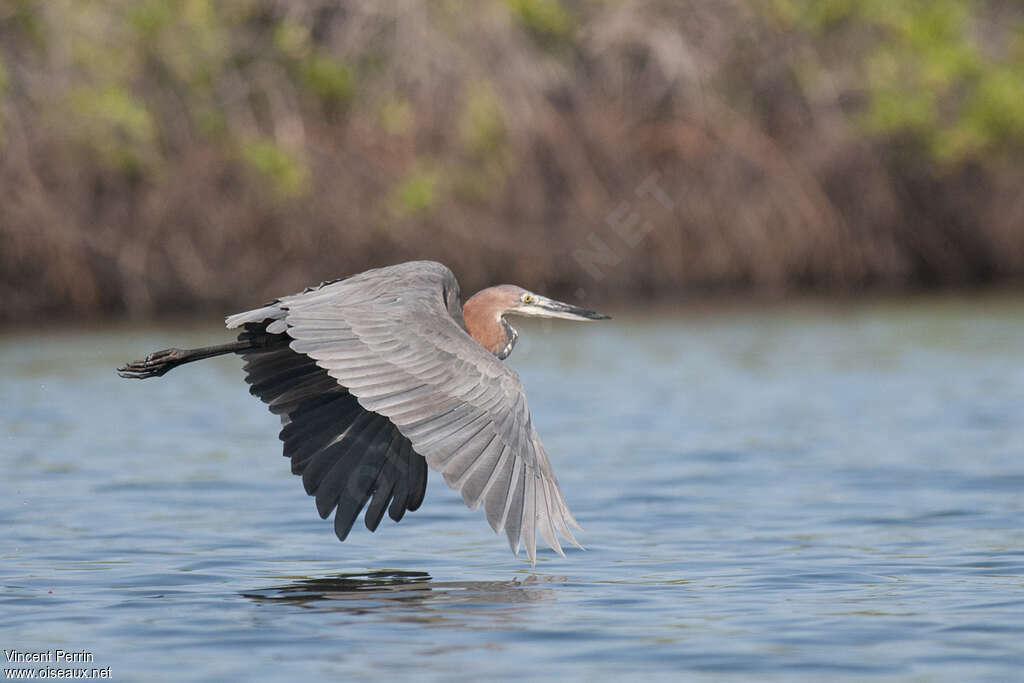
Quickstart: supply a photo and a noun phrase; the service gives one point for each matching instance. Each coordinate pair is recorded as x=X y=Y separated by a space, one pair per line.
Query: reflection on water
x=767 y=495
x=405 y=592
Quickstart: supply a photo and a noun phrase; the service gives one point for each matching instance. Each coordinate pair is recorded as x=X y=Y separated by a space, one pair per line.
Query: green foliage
x=484 y=138
x=546 y=20
x=396 y=116
x=27 y=20
x=123 y=55
x=114 y=125
x=993 y=115
x=417 y=193
x=928 y=73
x=329 y=79
x=288 y=174
x=149 y=19
x=292 y=39
x=482 y=127
x=144 y=70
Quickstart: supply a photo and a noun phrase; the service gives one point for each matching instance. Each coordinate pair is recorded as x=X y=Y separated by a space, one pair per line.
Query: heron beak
x=544 y=307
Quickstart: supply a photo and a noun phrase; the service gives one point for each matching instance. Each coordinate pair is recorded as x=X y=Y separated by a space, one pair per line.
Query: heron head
x=533 y=305
x=485 y=311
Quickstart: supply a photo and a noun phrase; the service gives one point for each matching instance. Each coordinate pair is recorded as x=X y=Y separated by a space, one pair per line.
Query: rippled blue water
x=780 y=494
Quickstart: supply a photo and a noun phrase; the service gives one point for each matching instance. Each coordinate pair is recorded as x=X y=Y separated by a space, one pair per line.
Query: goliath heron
x=377 y=375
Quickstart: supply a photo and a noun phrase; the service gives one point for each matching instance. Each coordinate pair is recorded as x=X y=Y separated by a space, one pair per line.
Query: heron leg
x=161 y=362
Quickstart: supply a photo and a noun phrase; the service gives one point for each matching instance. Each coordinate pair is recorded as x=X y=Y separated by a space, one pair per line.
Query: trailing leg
x=161 y=362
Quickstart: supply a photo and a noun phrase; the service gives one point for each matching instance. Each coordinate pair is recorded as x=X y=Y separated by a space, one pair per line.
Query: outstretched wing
x=389 y=337
x=344 y=453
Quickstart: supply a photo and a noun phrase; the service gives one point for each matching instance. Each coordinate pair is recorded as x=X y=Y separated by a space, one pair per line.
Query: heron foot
x=154 y=365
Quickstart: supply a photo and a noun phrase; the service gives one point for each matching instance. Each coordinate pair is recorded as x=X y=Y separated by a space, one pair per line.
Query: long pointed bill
x=549 y=308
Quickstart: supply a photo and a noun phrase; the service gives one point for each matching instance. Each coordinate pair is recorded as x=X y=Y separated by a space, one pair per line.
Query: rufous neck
x=482 y=313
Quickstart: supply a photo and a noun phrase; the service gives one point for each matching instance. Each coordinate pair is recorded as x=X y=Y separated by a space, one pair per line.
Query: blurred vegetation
x=941 y=71
x=169 y=155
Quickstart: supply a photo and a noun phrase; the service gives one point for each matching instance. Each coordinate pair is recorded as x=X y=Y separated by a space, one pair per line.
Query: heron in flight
x=380 y=374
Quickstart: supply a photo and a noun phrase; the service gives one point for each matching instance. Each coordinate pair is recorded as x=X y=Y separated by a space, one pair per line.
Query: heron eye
x=528 y=298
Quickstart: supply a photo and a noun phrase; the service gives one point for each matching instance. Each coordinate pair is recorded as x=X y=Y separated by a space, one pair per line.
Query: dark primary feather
x=393 y=342
x=344 y=453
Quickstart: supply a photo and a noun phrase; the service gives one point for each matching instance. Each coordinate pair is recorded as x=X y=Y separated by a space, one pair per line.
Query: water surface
x=794 y=493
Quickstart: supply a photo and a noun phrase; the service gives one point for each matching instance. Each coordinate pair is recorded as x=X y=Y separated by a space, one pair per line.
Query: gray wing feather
x=388 y=336
x=344 y=453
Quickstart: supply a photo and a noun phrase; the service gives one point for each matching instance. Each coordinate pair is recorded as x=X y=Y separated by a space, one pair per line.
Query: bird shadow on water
x=405 y=593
